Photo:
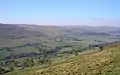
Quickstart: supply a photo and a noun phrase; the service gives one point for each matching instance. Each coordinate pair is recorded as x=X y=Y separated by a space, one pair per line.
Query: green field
x=86 y=40
x=106 y=62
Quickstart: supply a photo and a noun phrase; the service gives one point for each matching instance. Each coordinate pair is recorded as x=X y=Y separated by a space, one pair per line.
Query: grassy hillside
x=106 y=62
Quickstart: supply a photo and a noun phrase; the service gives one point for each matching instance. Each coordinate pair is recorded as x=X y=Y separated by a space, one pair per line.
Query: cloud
x=92 y=22
x=104 y=22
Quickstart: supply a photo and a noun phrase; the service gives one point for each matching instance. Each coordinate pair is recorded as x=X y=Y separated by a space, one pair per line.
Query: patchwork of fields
x=29 y=46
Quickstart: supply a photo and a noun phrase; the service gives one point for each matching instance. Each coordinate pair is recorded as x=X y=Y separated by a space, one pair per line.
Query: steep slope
x=106 y=62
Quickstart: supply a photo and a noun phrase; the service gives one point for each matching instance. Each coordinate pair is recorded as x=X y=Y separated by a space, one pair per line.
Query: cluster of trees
x=28 y=60
x=42 y=48
x=13 y=62
x=74 y=50
x=33 y=59
x=102 y=45
x=19 y=64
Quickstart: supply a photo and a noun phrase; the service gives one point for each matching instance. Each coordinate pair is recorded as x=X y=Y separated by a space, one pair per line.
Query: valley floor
x=106 y=62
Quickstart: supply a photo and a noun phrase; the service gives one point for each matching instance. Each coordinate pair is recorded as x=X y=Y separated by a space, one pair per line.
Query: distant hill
x=23 y=30
x=15 y=31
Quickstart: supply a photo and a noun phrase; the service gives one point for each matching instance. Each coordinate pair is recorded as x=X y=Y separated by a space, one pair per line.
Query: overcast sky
x=61 y=12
